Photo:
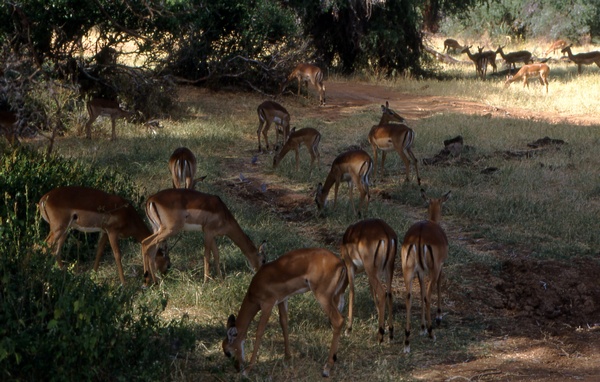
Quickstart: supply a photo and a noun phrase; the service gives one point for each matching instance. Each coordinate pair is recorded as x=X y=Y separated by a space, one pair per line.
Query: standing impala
x=309 y=137
x=90 y=210
x=424 y=250
x=352 y=166
x=371 y=246
x=298 y=271
x=512 y=58
x=182 y=165
x=175 y=210
x=271 y=112
x=479 y=61
x=580 y=59
x=104 y=107
x=528 y=71
x=556 y=45
x=490 y=58
x=306 y=73
x=387 y=136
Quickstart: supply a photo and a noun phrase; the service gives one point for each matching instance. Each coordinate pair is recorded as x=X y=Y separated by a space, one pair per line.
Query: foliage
x=550 y=20
x=58 y=325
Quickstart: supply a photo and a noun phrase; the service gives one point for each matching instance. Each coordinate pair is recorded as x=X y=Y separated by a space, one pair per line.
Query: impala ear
x=262 y=252
x=446 y=196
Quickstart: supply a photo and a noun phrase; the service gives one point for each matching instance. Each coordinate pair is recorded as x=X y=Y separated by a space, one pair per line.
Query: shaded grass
x=543 y=205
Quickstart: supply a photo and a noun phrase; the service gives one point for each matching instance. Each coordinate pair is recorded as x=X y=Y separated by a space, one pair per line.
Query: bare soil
x=541 y=318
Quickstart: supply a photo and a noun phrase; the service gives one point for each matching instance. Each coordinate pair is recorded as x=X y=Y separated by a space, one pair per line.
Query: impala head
x=566 y=48
x=162 y=262
x=278 y=149
x=389 y=115
x=508 y=80
x=232 y=347
x=435 y=205
x=466 y=48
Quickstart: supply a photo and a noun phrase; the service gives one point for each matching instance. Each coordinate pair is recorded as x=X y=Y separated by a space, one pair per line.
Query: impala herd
x=369 y=245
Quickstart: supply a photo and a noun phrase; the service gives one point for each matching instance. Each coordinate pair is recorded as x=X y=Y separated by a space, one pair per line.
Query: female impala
x=306 y=73
x=309 y=137
x=174 y=210
x=298 y=271
x=424 y=250
x=512 y=58
x=104 y=107
x=90 y=210
x=271 y=112
x=528 y=71
x=371 y=246
x=399 y=137
x=182 y=165
x=352 y=166
x=580 y=59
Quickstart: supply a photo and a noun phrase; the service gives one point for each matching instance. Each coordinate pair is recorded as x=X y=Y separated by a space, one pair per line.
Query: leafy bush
x=58 y=325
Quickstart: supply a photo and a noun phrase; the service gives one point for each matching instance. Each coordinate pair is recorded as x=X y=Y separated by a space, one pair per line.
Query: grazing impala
x=479 y=61
x=512 y=58
x=371 y=246
x=529 y=71
x=182 y=165
x=556 y=45
x=298 y=271
x=451 y=44
x=175 y=210
x=306 y=73
x=387 y=136
x=90 y=210
x=104 y=107
x=424 y=250
x=271 y=112
x=352 y=166
x=580 y=59
x=309 y=137
x=8 y=127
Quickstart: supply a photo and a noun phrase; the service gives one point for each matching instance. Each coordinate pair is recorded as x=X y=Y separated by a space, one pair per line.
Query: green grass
x=546 y=205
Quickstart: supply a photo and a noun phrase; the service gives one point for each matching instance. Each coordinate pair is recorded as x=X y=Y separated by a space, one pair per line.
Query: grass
x=546 y=205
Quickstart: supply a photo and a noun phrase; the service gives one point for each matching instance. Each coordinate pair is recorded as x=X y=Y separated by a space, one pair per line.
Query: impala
x=424 y=250
x=90 y=210
x=451 y=43
x=97 y=107
x=352 y=166
x=309 y=137
x=512 y=58
x=371 y=246
x=298 y=271
x=556 y=45
x=8 y=127
x=490 y=58
x=306 y=73
x=580 y=59
x=528 y=71
x=399 y=137
x=182 y=165
x=175 y=210
x=479 y=61
x=271 y=112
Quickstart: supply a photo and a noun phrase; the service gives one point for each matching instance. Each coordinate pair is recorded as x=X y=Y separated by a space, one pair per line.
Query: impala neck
x=246 y=314
x=246 y=245
x=435 y=211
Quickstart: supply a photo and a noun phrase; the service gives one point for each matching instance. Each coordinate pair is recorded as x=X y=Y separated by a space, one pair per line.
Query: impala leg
x=379 y=297
x=260 y=330
x=88 y=126
x=114 y=243
x=265 y=131
x=438 y=316
x=150 y=247
x=335 y=192
x=383 y=155
x=406 y=163
x=408 y=279
x=283 y=321
x=100 y=250
x=415 y=161
x=375 y=158
x=330 y=307
x=258 y=131
x=59 y=235
x=351 y=272
x=389 y=274
x=424 y=301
